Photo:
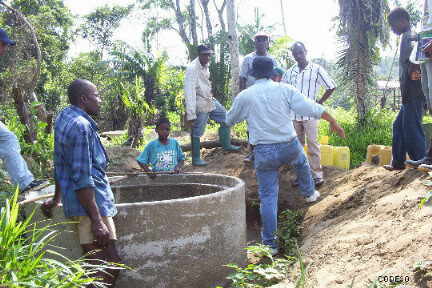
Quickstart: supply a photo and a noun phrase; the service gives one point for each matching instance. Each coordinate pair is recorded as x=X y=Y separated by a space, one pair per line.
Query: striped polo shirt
x=308 y=82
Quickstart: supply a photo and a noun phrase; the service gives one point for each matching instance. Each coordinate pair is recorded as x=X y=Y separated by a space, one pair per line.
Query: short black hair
x=298 y=43
x=163 y=120
x=76 y=89
x=398 y=14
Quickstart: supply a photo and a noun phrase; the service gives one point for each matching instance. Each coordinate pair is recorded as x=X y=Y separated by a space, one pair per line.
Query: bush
x=25 y=261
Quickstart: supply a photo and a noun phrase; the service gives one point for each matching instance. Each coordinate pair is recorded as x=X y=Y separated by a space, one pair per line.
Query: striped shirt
x=308 y=82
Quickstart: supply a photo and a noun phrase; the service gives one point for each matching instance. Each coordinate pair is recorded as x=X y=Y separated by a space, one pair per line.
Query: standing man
x=269 y=107
x=80 y=162
x=247 y=78
x=308 y=78
x=408 y=135
x=10 y=150
x=201 y=105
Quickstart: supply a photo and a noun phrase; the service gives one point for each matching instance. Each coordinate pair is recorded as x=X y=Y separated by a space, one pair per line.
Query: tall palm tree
x=362 y=25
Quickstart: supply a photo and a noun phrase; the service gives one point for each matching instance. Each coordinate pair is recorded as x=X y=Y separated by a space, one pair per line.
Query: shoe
x=249 y=158
x=196 y=152
x=415 y=164
x=314 y=197
x=393 y=168
x=425 y=168
x=318 y=182
x=225 y=139
x=34 y=184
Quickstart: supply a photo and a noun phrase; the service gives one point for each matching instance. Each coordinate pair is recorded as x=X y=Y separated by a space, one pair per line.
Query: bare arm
x=326 y=95
x=179 y=166
x=48 y=205
x=334 y=126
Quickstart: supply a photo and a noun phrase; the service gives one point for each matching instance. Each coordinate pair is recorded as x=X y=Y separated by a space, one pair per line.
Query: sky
x=309 y=21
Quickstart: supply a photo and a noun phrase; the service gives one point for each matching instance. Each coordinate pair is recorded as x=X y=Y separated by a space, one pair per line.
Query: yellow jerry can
x=385 y=156
x=373 y=152
x=324 y=140
x=305 y=149
x=327 y=155
x=341 y=157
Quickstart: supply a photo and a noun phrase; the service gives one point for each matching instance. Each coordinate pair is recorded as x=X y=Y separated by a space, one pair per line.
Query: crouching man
x=269 y=108
x=81 y=183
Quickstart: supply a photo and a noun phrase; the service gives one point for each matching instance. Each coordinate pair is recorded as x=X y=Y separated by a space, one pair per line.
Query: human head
x=261 y=42
x=84 y=94
x=399 y=20
x=277 y=74
x=299 y=52
x=163 y=127
x=5 y=42
x=262 y=67
x=204 y=54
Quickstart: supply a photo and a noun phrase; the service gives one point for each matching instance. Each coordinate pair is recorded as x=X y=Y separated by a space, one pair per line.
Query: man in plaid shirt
x=81 y=183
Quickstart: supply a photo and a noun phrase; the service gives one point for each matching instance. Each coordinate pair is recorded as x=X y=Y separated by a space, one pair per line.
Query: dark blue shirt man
x=408 y=135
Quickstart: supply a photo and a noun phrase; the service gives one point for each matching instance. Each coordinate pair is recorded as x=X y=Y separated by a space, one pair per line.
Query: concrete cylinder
x=174 y=231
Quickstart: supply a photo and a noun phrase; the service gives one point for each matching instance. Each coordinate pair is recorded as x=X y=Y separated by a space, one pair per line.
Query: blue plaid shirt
x=80 y=161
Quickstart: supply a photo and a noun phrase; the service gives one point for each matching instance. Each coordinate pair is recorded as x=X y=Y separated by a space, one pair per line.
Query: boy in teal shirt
x=163 y=154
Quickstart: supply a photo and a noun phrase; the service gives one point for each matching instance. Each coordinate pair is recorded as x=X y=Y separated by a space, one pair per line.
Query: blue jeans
x=200 y=123
x=268 y=159
x=408 y=135
x=10 y=153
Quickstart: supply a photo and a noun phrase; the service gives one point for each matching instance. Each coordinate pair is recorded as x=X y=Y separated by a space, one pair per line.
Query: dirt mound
x=122 y=159
x=368 y=227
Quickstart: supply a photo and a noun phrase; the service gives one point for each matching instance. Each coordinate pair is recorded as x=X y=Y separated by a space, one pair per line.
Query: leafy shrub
x=25 y=261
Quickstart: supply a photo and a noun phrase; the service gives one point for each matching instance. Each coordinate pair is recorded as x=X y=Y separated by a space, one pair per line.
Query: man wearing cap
x=308 y=78
x=247 y=79
x=10 y=150
x=201 y=105
x=266 y=106
x=277 y=74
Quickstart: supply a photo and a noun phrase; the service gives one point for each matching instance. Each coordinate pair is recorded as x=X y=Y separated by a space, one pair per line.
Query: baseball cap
x=262 y=67
x=5 y=38
x=277 y=71
x=204 y=49
x=261 y=34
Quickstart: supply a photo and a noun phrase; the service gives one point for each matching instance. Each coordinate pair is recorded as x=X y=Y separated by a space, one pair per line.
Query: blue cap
x=5 y=38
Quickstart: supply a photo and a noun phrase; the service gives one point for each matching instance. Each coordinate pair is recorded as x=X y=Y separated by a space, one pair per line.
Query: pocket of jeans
x=265 y=158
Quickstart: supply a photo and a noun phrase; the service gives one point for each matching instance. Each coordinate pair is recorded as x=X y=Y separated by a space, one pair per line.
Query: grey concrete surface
x=173 y=243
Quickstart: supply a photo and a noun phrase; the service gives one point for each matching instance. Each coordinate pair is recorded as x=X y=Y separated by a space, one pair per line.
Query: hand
x=47 y=207
x=152 y=175
x=334 y=127
x=190 y=123
x=415 y=75
x=177 y=169
x=100 y=232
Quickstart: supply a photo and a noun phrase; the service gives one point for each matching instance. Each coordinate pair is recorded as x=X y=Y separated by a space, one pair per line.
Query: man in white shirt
x=269 y=108
x=201 y=105
x=308 y=78
x=247 y=79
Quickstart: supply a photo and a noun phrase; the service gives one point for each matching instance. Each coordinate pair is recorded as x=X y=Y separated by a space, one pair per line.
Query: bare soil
x=366 y=225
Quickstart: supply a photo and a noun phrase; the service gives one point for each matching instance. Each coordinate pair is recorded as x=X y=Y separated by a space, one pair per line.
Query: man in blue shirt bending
x=269 y=108
x=80 y=162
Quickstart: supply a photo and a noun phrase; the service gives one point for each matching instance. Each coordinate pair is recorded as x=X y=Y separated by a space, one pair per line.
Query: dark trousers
x=408 y=135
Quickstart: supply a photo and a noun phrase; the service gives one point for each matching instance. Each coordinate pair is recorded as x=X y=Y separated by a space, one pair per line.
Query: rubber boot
x=196 y=153
x=225 y=139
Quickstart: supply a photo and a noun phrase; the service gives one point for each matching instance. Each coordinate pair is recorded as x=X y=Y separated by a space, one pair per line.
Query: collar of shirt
x=85 y=115
x=308 y=67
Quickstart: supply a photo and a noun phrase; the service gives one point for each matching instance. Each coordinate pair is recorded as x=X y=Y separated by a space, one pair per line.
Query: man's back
x=269 y=108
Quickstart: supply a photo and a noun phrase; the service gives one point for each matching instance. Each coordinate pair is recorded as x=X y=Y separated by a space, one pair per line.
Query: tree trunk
x=283 y=17
x=234 y=47
x=24 y=114
x=135 y=126
x=193 y=23
x=208 y=21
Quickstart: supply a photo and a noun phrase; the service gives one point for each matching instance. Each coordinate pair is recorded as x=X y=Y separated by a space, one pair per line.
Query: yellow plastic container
x=341 y=157
x=327 y=155
x=305 y=149
x=324 y=140
x=373 y=152
x=385 y=156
